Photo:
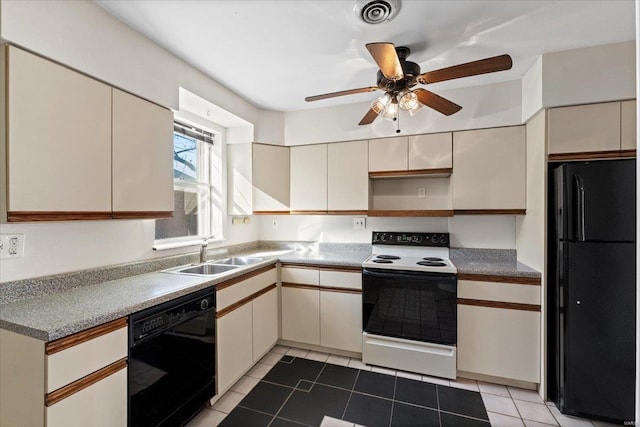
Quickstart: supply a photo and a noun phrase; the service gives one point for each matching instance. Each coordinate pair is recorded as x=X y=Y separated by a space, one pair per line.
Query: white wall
x=485 y=106
x=580 y=76
x=496 y=232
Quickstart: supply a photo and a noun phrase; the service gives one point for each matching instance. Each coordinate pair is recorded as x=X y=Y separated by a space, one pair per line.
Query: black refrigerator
x=592 y=288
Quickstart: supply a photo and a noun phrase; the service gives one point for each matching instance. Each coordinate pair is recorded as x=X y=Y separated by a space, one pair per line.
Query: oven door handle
x=390 y=274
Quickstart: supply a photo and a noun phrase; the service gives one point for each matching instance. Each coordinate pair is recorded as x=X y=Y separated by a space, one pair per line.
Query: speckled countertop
x=45 y=309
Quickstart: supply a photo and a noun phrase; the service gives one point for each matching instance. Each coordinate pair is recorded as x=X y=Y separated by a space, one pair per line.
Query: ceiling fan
x=397 y=77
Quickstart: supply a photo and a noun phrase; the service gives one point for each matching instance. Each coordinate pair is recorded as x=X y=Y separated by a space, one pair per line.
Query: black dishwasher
x=171 y=373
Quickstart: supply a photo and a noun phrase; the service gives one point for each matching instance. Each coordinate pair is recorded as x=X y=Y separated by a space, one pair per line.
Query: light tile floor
x=506 y=406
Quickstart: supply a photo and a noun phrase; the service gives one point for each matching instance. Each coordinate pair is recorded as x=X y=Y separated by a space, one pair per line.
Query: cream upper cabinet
x=348 y=180
x=628 y=125
x=490 y=169
x=270 y=175
x=309 y=178
x=142 y=155
x=584 y=128
x=239 y=178
x=388 y=154
x=57 y=139
x=432 y=151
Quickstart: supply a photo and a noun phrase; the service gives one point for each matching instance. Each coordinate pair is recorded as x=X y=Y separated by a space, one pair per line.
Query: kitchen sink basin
x=243 y=260
x=204 y=269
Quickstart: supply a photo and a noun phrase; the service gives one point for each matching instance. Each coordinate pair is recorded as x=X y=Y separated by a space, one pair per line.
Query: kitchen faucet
x=203 y=249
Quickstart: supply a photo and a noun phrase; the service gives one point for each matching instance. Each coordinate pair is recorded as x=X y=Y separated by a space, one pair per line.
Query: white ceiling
x=275 y=52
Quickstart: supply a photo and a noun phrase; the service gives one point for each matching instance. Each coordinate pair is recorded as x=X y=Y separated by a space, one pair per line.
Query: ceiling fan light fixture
x=391 y=110
x=408 y=101
x=380 y=104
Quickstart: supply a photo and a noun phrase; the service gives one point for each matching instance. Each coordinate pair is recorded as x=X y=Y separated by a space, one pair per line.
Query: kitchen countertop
x=49 y=316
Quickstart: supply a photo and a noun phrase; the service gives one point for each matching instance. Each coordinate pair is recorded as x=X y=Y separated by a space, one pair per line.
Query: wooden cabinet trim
x=143 y=215
x=344 y=269
x=64 y=343
x=536 y=281
x=340 y=290
x=271 y=212
x=347 y=212
x=244 y=277
x=436 y=172
x=300 y=286
x=307 y=212
x=244 y=301
x=590 y=155
x=499 y=304
x=79 y=385
x=412 y=213
x=29 y=216
x=489 y=211
x=296 y=265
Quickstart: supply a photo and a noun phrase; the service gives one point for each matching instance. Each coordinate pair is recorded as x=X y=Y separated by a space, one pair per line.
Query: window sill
x=161 y=246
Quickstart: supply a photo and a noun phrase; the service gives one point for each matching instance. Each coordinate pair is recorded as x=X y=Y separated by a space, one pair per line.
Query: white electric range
x=409 y=303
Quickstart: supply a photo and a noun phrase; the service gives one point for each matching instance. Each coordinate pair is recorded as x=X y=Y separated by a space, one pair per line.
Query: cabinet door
x=309 y=178
x=58 y=137
x=341 y=320
x=628 y=126
x=594 y=127
x=490 y=169
x=142 y=155
x=388 y=154
x=265 y=323
x=432 y=151
x=348 y=178
x=499 y=342
x=234 y=345
x=239 y=171
x=102 y=404
x=270 y=177
x=301 y=315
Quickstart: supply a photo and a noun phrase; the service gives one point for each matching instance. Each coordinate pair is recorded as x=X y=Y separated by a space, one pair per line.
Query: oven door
x=411 y=305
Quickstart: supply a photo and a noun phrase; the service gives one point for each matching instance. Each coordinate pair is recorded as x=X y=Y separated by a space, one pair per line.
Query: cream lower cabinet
x=499 y=330
x=246 y=323
x=78 y=380
x=490 y=170
x=322 y=306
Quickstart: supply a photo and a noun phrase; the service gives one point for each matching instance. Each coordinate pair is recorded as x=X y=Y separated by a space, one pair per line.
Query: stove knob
x=434 y=239
x=443 y=239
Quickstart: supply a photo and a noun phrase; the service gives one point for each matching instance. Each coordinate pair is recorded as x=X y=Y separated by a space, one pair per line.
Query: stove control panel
x=410 y=239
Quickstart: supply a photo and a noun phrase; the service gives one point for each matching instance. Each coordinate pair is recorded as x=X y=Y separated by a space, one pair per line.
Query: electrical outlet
x=359 y=223
x=274 y=223
x=422 y=193
x=11 y=246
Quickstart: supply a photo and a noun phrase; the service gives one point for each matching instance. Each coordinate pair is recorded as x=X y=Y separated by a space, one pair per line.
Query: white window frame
x=209 y=183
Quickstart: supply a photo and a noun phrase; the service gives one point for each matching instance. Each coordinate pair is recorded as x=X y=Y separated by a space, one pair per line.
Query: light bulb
x=381 y=103
x=391 y=111
x=408 y=100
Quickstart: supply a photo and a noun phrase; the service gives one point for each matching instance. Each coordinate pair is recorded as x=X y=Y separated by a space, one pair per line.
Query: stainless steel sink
x=203 y=269
x=237 y=261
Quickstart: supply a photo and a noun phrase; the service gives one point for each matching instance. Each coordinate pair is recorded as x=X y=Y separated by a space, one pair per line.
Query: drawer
x=340 y=279
x=503 y=292
x=303 y=276
x=236 y=289
x=78 y=355
x=102 y=404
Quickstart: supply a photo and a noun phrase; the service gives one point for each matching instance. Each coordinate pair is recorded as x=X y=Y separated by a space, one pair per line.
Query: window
x=197 y=172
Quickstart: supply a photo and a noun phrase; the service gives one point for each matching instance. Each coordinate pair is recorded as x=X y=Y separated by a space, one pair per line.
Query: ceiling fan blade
x=341 y=93
x=369 y=117
x=437 y=102
x=387 y=59
x=474 y=68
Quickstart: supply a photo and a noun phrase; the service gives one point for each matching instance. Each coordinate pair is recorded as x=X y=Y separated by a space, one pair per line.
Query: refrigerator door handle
x=580 y=211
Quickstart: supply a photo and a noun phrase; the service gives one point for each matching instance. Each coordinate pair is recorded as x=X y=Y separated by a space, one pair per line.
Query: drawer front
x=341 y=279
x=103 y=404
x=238 y=291
x=503 y=292
x=82 y=359
x=303 y=276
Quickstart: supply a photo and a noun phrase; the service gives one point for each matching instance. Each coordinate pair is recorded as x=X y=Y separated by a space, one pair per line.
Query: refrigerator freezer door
x=597 y=201
x=598 y=330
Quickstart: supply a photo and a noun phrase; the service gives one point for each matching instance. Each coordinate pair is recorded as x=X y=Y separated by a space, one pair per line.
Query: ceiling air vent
x=376 y=11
